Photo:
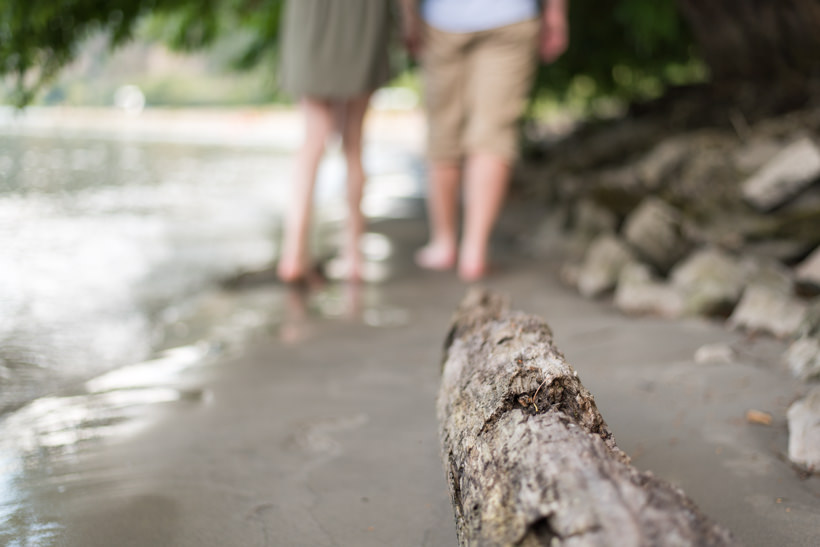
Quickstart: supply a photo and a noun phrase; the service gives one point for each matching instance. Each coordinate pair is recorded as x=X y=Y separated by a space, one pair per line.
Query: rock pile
x=707 y=222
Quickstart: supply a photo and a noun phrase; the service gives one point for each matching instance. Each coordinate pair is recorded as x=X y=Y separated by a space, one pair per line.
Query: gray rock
x=592 y=220
x=656 y=231
x=803 y=359
x=549 y=236
x=810 y=327
x=710 y=280
x=715 y=353
x=764 y=309
x=784 y=176
x=768 y=273
x=755 y=153
x=662 y=160
x=706 y=181
x=808 y=272
x=602 y=266
x=782 y=250
x=569 y=274
x=640 y=294
x=804 y=431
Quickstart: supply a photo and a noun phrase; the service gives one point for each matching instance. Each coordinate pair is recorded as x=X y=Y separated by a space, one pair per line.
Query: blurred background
x=145 y=152
x=671 y=155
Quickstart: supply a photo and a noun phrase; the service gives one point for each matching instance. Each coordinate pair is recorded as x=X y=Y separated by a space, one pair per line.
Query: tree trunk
x=757 y=40
x=528 y=457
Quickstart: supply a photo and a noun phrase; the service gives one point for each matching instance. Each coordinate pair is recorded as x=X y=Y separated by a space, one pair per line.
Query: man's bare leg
x=293 y=260
x=442 y=209
x=486 y=187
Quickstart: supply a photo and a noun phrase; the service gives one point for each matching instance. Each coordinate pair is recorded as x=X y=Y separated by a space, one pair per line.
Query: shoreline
x=322 y=431
x=276 y=127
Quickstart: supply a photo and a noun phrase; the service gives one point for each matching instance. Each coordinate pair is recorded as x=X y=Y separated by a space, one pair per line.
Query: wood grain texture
x=528 y=457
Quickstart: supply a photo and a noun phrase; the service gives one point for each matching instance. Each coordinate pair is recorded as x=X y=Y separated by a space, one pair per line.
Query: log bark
x=528 y=457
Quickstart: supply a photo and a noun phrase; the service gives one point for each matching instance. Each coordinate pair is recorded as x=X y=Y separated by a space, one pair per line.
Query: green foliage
x=38 y=37
x=629 y=49
x=623 y=48
x=257 y=21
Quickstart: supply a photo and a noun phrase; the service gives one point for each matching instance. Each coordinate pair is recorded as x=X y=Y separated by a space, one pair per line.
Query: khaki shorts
x=476 y=87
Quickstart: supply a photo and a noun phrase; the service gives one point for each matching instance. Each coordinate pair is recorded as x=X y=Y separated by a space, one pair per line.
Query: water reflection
x=101 y=237
x=41 y=442
x=346 y=301
x=112 y=256
x=46 y=445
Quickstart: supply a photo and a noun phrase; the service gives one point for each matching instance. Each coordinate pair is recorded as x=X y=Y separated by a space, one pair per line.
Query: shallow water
x=109 y=244
x=115 y=249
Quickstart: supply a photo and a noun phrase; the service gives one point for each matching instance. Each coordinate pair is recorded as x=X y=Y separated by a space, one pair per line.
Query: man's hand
x=411 y=37
x=554 y=30
x=411 y=28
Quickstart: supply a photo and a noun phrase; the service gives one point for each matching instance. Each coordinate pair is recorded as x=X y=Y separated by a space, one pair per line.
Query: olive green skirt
x=334 y=49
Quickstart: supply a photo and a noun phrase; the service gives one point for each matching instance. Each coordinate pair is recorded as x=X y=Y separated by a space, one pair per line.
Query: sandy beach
x=322 y=430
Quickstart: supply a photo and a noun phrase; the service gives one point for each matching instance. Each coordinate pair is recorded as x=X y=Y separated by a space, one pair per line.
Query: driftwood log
x=528 y=457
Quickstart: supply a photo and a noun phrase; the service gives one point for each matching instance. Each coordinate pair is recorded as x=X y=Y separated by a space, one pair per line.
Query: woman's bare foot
x=292 y=268
x=353 y=267
x=352 y=258
x=436 y=256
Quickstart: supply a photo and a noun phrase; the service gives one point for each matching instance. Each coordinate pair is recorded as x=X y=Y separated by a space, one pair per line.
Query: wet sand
x=322 y=431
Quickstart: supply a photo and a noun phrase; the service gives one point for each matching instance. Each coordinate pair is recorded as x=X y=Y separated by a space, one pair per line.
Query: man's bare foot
x=472 y=272
x=436 y=257
x=472 y=265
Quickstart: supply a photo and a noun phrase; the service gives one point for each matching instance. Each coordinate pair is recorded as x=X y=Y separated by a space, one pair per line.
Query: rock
x=710 y=280
x=662 y=160
x=798 y=221
x=602 y=266
x=804 y=431
x=784 y=176
x=706 y=184
x=763 y=309
x=569 y=274
x=803 y=359
x=591 y=220
x=783 y=250
x=617 y=191
x=639 y=293
x=715 y=353
x=528 y=181
x=754 y=154
x=810 y=327
x=549 y=235
x=605 y=145
x=656 y=231
x=808 y=272
x=769 y=273
x=803 y=356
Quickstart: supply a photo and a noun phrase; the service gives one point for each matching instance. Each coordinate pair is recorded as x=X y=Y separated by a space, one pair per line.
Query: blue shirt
x=476 y=15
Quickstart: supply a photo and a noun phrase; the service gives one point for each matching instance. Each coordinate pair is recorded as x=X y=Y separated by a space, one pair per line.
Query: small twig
x=536 y=394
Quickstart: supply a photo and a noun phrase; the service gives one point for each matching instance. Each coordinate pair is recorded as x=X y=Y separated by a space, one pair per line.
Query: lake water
x=110 y=239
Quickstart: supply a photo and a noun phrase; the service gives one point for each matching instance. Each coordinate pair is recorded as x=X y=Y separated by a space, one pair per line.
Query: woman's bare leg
x=352 y=130
x=293 y=261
